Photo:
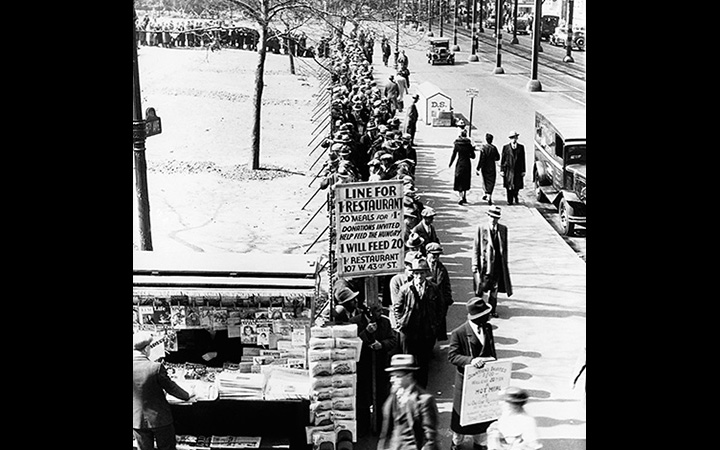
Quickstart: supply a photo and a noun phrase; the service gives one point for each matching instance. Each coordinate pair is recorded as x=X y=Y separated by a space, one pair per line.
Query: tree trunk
x=257 y=98
x=292 y=63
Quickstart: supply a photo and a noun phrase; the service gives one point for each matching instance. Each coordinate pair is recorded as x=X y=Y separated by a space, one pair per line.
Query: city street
x=542 y=326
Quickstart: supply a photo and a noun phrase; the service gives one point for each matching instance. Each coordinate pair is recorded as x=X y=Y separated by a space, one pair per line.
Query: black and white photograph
x=405 y=179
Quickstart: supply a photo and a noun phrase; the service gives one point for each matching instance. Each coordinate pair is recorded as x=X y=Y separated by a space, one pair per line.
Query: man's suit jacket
x=429 y=302
x=150 y=382
x=422 y=422
x=427 y=236
x=484 y=255
x=439 y=275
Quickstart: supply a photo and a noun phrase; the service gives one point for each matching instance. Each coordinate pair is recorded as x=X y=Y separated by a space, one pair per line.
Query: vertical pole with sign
x=472 y=93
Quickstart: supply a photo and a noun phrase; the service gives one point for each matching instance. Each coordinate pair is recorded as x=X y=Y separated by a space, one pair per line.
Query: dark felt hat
x=477 y=307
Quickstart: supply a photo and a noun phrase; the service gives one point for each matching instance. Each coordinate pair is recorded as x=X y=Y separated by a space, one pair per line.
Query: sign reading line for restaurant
x=369 y=228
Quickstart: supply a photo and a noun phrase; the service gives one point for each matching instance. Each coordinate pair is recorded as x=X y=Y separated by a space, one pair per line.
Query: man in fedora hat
x=490 y=259
x=410 y=414
x=152 y=417
x=512 y=167
x=425 y=229
x=472 y=343
x=345 y=305
x=392 y=92
x=439 y=275
x=416 y=317
x=412 y=118
x=415 y=243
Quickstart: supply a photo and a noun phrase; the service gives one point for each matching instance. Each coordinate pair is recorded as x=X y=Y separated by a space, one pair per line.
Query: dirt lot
x=202 y=196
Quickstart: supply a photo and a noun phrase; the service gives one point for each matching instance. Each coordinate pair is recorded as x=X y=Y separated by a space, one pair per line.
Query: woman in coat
x=486 y=166
x=464 y=151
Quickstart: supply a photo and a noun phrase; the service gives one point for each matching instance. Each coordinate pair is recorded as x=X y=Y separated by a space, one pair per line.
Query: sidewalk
x=541 y=327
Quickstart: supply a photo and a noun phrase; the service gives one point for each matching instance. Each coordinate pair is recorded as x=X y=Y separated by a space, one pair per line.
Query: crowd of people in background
x=172 y=32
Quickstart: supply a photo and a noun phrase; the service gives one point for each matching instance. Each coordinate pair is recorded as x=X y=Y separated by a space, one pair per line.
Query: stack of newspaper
x=236 y=385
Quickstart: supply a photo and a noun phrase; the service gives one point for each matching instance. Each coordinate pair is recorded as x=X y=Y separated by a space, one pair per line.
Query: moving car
x=439 y=51
x=559 y=170
x=560 y=37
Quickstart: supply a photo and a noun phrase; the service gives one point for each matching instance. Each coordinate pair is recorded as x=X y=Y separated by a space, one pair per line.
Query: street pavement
x=541 y=328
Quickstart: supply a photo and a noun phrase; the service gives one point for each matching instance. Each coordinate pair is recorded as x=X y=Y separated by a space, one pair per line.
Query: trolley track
x=526 y=53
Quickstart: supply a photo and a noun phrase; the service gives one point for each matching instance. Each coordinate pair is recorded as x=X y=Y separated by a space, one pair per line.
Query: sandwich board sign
x=481 y=391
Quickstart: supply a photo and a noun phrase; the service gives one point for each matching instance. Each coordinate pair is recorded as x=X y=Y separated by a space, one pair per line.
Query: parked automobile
x=560 y=37
x=549 y=23
x=559 y=170
x=523 y=25
x=439 y=51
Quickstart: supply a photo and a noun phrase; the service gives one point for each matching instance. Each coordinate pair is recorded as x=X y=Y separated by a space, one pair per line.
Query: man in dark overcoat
x=472 y=343
x=490 y=259
x=512 y=167
x=379 y=343
x=439 y=275
x=416 y=317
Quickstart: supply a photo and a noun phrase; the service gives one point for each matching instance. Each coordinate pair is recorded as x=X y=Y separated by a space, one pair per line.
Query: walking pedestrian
x=152 y=417
x=392 y=92
x=401 y=81
x=412 y=119
x=464 y=150
x=472 y=343
x=386 y=50
x=439 y=275
x=410 y=414
x=512 y=167
x=402 y=60
x=490 y=259
x=515 y=429
x=486 y=166
x=416 y=317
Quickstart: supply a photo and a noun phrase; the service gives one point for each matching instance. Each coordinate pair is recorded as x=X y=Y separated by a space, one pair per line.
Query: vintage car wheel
x=580 y=43
x=539 y=195
x=566 y=210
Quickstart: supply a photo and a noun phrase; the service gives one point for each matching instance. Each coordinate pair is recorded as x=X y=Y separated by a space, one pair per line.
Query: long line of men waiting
x=183 y=33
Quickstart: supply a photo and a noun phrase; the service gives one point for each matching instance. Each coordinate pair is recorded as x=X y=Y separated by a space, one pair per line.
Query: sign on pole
x=369 y=228
x=481 y=391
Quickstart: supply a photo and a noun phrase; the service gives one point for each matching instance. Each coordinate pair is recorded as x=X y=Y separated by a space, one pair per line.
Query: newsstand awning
x=233 y=274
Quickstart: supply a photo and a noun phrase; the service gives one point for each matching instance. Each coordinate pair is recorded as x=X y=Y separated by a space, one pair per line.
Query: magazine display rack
x=234 y=329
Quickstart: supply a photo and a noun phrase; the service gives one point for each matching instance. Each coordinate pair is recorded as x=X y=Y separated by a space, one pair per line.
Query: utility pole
x=429 y=13
x=397 y=33
x=456 y=47
x=534 y=85
x=473 y=56
x=568 y=57
x=498 y=41
x=441 y=3
x=515 y=39
x=139 y=135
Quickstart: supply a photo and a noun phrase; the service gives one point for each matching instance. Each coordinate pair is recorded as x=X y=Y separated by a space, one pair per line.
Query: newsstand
x=233 y=329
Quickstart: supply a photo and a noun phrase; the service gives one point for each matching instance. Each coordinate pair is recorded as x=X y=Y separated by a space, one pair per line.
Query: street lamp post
x=515 y=39
x=473 y=56
x=568 y=57
x=456 y=47
x=534 y=84
x=480 y=19
x=441 y=3
x=498 y=40
x=397 y=33
x=429 y=13
x=139 y=135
